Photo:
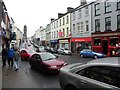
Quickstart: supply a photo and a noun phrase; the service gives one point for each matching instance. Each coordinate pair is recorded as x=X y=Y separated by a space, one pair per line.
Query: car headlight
x=53 y=67
x=64 y=64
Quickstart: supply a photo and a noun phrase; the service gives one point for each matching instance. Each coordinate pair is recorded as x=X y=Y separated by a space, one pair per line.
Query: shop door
x=105 y=46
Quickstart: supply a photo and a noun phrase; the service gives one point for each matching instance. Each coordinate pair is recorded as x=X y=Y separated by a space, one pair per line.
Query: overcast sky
x=36 y=13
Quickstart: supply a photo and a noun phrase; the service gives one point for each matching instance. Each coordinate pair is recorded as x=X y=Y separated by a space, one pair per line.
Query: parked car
x=97 y=74
x=64 y=51
x=26 y=53
x=46 y=62
x=90 y=53
x=52 y=50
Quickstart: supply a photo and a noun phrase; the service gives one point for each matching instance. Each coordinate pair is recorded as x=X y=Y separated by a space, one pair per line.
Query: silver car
x=102 y=73
x=64 y=51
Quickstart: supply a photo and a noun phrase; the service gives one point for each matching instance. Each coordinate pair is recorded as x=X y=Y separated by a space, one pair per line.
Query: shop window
x=113 y=41
x=97 y=42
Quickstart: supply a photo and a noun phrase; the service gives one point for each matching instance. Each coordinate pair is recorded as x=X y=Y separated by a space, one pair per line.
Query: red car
x=26 y=54
x=46 y=62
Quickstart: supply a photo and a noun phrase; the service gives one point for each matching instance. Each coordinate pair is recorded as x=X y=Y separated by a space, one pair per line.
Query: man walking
x=16 y=59
x=10 y=57
x=4 y=56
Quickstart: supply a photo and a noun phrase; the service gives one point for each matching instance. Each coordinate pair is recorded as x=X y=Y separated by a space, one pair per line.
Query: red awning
x=81 y=39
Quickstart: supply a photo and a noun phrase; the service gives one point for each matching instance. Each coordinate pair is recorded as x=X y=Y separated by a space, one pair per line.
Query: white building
x=81 y=26
x=61 y=30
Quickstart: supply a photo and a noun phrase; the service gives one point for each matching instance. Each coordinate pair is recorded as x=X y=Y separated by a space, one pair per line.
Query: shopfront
x=106 y=42
x=77 y=44
x=54 y=43
x=65 y=43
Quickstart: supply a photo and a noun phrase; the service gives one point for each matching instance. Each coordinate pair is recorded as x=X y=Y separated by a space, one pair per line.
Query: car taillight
x=116 y=52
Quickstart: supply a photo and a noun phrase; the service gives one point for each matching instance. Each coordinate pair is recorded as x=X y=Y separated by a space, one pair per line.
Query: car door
x=99 y=77
x=37 y=61
x=89 y=53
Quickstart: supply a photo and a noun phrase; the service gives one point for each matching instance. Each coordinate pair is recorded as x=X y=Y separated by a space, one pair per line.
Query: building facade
x=106 y=26
x=48 y=34
x=81 y=27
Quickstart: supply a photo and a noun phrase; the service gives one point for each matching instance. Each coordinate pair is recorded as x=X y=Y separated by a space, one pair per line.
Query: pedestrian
x=11 y=56
x=17 y=58
x=4 y=56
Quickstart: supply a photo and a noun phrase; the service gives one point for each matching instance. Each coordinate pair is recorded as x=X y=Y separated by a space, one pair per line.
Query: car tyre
x=81 y=55
x=70 y=87
x=95 y=56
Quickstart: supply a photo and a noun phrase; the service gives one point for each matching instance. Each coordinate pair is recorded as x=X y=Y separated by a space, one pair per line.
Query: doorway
x=105 y=46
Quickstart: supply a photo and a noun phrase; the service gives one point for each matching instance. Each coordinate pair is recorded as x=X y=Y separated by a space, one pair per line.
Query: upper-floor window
x=81 y=27
x=78 y=26
x=63 y=21
x=73 y=15
x=54 y=34
x=107 y=6
x=118 y=4
x=97 y=9
x=57 y=33
x=67 y=20
x=97 y=25
x=54 y=24
x=57 y=23
x=108 y=23
x=73 y=28
x=63 y=32
x=87 y=26
x=118 y=22
x=79 y=14
x=86 y=11
x=67 y=31
x=60 y=22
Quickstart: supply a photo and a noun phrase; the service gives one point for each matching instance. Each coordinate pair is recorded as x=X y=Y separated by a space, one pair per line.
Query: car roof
x=111 y=61
x=42 y=53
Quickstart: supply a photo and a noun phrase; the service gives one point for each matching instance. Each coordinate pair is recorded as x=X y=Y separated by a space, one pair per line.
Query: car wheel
x=95 y=56
x=81 y=55
x=70 y=87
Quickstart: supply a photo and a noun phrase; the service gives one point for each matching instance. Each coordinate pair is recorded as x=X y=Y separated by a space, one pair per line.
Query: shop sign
x=54 y=41
x=63 y=41
x=80 y=39
x=106 y=34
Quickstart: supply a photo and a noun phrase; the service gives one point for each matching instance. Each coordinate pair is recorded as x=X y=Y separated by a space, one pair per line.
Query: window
x=63 y=32
x=57 y=33
x=86 y=11
x=73 y=28
x=108 y=23
x=57 y=23
x=113 y=41
x=97 y=9
x=67 y=19
x=67 y=31
x=87 y=26
x=81 y=26
x=60 y=22
x=97 y=25
x=78 y=27
x=118 y=22
x=118 y=4
x=63 y=21
x=79 y=14
x=54 y=34
x=73 y=16
x=97 y=42
x=107 y=6
x=108 y=75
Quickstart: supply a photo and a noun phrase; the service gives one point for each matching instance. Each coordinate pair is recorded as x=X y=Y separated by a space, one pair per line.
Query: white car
x=64 y=51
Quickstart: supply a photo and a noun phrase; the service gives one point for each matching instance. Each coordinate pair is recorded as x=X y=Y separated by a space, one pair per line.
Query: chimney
x=70 y=9
x=52 y=19
x=83 y=2
x=60 y=15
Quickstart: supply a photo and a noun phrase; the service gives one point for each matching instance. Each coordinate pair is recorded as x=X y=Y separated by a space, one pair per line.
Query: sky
x=36 y=13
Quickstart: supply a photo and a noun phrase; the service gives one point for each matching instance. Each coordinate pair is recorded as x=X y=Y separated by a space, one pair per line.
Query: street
x=25 y=77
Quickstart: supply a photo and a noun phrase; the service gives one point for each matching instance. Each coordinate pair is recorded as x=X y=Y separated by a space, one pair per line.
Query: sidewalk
x=0 y=72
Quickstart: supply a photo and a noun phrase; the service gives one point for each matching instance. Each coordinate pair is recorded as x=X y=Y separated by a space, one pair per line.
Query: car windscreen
x=47 y=56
